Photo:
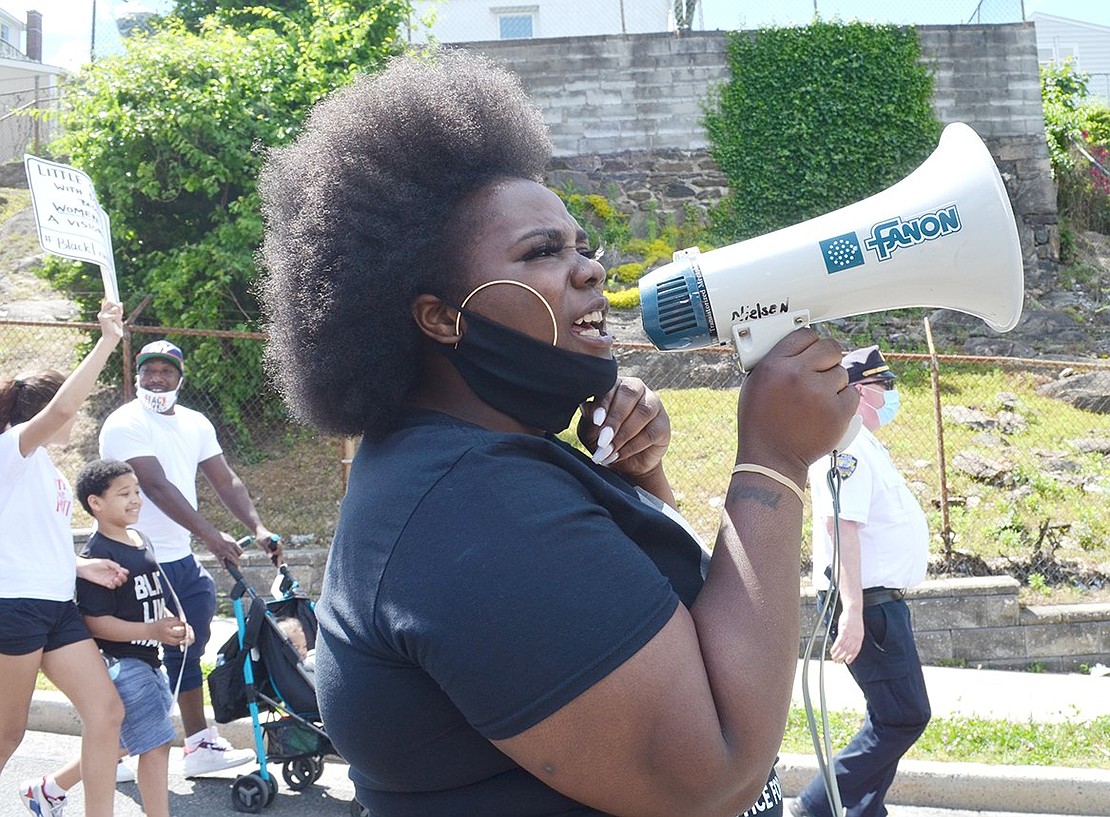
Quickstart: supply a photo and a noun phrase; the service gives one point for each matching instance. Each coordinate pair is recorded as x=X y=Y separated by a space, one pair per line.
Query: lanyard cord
x=180 y=614
x=822 y=743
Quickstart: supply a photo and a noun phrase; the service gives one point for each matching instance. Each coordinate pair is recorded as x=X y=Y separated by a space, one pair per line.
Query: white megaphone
x=942 y=237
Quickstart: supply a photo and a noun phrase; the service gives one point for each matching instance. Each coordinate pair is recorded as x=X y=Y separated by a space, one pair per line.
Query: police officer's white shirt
x=894 y=535
x=180 y=442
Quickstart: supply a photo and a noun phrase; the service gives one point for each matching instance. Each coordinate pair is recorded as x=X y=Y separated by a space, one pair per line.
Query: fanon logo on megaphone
x=843 y=252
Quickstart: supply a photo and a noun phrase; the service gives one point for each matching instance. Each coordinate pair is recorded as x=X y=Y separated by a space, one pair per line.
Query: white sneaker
x=214 y=754
x=124 y=773
x=38 y=801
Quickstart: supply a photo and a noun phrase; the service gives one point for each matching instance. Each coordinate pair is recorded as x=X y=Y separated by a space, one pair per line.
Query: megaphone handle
x=754 y=339
x=854 y=425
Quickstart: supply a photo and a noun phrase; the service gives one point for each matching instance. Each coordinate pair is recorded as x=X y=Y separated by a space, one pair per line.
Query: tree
x=193 y=12
x=173 y=134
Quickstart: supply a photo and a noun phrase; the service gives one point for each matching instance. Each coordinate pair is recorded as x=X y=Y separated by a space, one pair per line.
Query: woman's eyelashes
x=549 y=248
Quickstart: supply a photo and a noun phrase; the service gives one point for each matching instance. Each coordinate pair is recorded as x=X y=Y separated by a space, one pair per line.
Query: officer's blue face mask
x=889 y=408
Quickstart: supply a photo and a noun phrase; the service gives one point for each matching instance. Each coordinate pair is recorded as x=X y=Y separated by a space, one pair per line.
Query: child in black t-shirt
x=129 y=623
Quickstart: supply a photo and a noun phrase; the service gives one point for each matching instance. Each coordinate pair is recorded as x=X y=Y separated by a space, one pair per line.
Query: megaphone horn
x=943 y=237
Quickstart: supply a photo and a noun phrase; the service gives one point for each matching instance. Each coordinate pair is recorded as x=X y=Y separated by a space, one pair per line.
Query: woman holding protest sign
x=40 y=627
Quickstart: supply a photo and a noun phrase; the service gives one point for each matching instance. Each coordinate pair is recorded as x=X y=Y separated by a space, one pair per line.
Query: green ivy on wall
x=815 y=118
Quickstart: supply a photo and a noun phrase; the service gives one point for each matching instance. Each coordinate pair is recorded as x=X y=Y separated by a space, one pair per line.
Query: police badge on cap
x=866 y=364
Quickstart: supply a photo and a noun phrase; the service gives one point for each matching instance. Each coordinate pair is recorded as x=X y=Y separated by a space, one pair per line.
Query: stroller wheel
x=250 y=794
x=318 y=767
x=273 y=788
x=301 y=772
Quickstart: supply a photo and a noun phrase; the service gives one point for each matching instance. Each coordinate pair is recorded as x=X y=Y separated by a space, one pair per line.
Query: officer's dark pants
x=888 y=671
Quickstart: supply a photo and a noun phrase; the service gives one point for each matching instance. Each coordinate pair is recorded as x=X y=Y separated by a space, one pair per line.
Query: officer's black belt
x=881 y=595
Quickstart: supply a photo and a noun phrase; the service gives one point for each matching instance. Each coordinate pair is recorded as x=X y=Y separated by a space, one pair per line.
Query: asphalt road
x=211 y=796
x=202 y=797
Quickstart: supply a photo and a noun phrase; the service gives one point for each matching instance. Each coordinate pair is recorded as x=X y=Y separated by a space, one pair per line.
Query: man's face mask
x=891 y=402
x=889 y=408
x=535 y=383
x=158 y=401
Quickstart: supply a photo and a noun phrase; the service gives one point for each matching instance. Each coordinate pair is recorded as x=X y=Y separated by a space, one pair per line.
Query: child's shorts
x=27 y=625
x=146 y=706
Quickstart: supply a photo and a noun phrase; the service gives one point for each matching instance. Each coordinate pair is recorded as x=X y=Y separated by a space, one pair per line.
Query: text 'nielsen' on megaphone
x=943 y=237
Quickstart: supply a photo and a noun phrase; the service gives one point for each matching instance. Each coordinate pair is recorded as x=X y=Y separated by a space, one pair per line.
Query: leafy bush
x=815 y=118
x=1063 y=98
x=605 y=225
x=624 y=298
x=1078 y=133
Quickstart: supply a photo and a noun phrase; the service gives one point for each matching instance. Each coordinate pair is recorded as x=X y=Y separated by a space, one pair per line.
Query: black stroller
x=275 y=680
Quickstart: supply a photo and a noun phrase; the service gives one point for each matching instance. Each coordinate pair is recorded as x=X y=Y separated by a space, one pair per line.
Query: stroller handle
x=287 y=580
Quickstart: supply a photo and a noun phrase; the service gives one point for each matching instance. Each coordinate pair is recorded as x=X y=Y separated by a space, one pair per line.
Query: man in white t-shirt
x=165 y=444
x=884 y=549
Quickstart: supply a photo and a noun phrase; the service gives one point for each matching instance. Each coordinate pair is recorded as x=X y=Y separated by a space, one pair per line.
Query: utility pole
x=92 y=38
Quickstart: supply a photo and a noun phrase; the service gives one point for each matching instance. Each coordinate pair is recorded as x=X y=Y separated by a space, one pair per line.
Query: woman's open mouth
x=591 y=325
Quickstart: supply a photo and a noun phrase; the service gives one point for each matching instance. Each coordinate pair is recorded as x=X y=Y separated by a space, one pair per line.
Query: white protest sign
x=70 y=220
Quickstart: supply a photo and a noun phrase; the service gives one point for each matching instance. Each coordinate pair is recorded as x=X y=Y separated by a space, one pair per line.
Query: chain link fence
x=295 y=476
x=986 y=453
x=20 y=129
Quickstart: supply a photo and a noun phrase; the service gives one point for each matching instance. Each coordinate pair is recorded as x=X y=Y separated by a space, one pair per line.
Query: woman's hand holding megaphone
x=795 y=405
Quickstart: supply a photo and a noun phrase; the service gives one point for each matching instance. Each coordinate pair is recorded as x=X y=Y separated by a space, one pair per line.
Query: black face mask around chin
x=533 y=382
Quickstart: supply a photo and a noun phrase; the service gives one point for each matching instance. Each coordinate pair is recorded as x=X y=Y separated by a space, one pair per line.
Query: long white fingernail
x=616 y=455
x=599 y=415
x=602 y=452
x=605 y=437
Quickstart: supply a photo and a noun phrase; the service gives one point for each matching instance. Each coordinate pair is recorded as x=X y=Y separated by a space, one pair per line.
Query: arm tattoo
x=764 y=496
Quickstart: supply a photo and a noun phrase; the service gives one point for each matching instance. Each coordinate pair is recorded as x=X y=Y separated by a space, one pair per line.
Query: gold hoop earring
x=543 y=300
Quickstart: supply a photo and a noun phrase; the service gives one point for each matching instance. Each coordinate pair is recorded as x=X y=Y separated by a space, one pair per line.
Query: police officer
x=884 y=549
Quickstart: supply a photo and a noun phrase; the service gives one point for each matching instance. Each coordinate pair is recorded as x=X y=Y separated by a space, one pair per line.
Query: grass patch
x=989 y=520
x=975 y=740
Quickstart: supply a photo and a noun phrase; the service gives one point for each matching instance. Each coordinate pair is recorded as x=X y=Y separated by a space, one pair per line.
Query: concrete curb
x=52 y=712
x=979 y=787
x=962 y=786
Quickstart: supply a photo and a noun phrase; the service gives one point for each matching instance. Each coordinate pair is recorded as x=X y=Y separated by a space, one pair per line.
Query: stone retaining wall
x=625 y=116
x=979 y=622
x=959 y=622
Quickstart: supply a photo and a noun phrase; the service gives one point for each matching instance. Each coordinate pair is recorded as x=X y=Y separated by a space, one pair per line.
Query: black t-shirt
x=478 y=582
x=140 y=598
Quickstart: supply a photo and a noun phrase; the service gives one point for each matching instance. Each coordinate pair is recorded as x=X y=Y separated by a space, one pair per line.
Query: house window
x=5 y=32
x=1057 y=53
x=516 y=23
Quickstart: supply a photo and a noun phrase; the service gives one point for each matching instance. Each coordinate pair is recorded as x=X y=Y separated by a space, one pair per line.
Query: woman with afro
x=509 y=626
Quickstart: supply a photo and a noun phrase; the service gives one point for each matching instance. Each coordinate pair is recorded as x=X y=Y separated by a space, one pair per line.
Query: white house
x=1086 y=44
x=25 y=83
x=455 y=21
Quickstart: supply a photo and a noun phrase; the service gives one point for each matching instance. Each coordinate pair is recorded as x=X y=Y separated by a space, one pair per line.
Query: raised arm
x=65 y=404
x=692 y=722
